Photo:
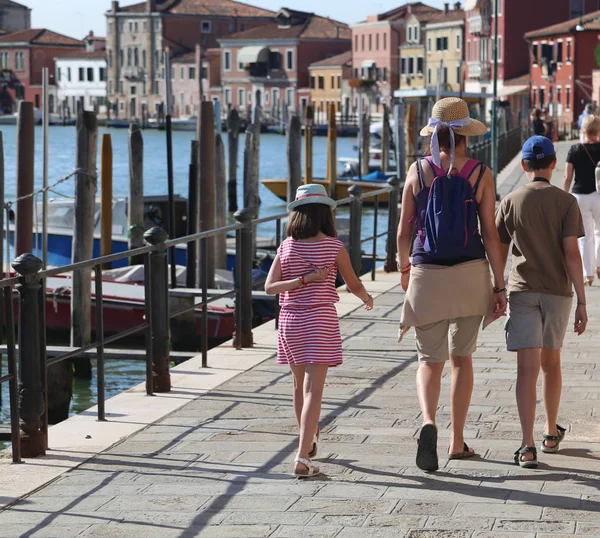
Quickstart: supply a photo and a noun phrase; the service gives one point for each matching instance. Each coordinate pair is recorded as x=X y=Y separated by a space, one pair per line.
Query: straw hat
x=454 y=109
x=313 y=193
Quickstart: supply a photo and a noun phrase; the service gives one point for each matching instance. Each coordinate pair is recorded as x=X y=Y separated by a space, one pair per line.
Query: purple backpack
x=451 y=214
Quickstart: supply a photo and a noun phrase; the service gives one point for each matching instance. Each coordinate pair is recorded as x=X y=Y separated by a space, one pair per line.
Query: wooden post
x=2 y=211
x=25 y=160
x=83 y=237
x=331 y=150
x=106 y=199
x=207 y=187
x=251 y=169
x=233 y=139
x=385 y=140
x=294 y=156
x=193 y=221
x=135 y=201
x=221 y=184
x=308 y=147
x=400 y=142
x=364 y=145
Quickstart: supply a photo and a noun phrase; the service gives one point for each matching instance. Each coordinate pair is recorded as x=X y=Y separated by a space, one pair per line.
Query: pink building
x=268 y=65
x=375 y=47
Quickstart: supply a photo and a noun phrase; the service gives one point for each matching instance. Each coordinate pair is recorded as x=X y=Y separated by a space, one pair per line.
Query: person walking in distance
x=447 y=279
x=309 y=341
x=581 y=164
x=538 y=124
x=543 y=223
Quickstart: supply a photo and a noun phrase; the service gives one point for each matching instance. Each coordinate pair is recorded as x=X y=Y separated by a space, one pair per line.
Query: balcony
x=479 y=70
x=134 y=73
x=480 y=26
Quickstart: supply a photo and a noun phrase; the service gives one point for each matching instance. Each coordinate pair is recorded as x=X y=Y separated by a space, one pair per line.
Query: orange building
x=329 y=83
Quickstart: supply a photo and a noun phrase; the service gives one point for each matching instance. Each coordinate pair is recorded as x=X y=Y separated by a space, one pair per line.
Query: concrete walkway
x=219 y=465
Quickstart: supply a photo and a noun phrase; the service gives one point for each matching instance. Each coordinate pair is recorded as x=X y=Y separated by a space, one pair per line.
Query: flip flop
x=310 y=471
x=427 y=458
x=465 y=454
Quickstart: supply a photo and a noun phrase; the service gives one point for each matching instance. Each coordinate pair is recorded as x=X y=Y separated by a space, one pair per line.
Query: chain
x=92 y=175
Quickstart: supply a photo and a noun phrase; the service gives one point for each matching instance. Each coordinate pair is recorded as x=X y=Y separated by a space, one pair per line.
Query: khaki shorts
x=437 y=341
x=537 y=320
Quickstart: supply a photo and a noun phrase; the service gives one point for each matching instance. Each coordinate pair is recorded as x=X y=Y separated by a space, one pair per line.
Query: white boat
x=350 y=164
x=11 y=119
x=180 y=124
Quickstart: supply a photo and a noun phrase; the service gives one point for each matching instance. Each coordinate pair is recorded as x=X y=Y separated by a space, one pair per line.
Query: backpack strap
x=420 y=174
x=481 y=174
x=469 y=168
x=437 y=171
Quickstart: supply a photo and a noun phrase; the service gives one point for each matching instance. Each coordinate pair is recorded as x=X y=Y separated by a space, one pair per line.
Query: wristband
x=405 y=270
x=499 y=290
x=370 y=298
x=303 y=281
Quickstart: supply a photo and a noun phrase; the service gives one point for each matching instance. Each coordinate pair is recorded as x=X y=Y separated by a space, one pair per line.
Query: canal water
x=121 y=375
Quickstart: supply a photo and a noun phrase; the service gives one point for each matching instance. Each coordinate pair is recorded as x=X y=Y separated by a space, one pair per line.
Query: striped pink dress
x=309 y=329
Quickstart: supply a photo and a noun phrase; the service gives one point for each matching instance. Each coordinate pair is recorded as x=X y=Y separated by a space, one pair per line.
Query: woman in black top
x=539 y=127
x=581 y=163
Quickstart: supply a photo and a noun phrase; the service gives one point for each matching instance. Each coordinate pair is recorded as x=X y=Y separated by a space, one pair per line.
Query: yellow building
x=329 y=80
x=444 y=44
x=412 y=52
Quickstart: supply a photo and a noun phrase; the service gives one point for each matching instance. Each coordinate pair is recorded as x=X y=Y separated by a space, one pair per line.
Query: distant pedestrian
x=447 y=278
x=550 y=129
x=539 y=126
x=543 y=224
x=588 y=111
x=304 y=274
x=581 y=163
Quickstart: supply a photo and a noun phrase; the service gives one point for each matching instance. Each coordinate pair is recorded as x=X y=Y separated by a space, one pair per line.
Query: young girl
x=304 y=273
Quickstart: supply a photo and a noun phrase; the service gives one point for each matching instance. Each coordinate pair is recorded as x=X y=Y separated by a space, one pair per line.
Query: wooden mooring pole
x=331 y=150
x=207 y=188
x=385 y=140
x=233 y=139
x=83 y=237
x=25 y=160
x=294 y=156
x=251 y=169
x=135 y=201
x=364 y=145
x=106 y=198
x=221 y=203
x=193 y=221
x=308 y=144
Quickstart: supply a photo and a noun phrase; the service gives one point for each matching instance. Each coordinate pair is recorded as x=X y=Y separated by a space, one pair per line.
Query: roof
x=591 y=21
x=452 y=16
x=76 y=55
x=304 y=26
x=229 y=8
x=41 y=37
x=339 y=60
x=190 y=57
x=10 y=3
x=518 y=81
x=404 y=11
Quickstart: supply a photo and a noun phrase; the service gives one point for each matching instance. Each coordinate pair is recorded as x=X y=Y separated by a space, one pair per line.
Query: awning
x=368 y=64
x=511 y=90
x=252 y=55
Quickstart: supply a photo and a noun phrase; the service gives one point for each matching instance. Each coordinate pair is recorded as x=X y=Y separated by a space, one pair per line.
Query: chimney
x=149 y=6
x=458 y=6
x=115 y=6
x=446 y=7
x=337 y=32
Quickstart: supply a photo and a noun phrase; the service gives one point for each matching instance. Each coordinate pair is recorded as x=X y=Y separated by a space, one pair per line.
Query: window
x=241 y=95
x=568 y=98
x=58 y=70
x=69 y=74
x=429 y=75
x=227 y=96
x=385 y=74
x=312 y=82
x=428 y=44
x=19 y=61
x=384 y=41
x=227 y=60
x=558 y=95
x=362 y=39
x=569 y=50
x=410 y=36
x=370 y=42
x=192 y=73
x=132 y=90
x=275 y=60
x=290 y=97
x=458 y=42
x=376 y=41
x=411 y=65
x=289 y=60
x=145 y=26
x=135 y=27
x=204 y=73
x=445 y=79
x=4 y=60
x=144 y=59
x=420 y=65
x=356 y=42
x=131 y=26
x=205 y=27
x=81 y=74
x=266 y=98
x=559 y=52
x=136 y=57
x=90 y=74
x=321 y=82
x=403 y=65
x=155 y=88
x=333 y=83
x=102 y=74
x=339 y=82
x=128 y=57
x=442 y=43
x=355 y=73
x=458 y=77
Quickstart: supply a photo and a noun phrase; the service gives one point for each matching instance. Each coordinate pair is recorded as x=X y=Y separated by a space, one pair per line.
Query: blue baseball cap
x=538 y=147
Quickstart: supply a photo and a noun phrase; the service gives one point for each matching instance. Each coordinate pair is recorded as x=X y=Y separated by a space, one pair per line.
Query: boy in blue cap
x=543 y=224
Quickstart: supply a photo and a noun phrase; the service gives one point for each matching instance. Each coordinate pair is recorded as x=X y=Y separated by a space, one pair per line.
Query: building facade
x=138 y=35
x=22 y=57
x=513 y=53
x=562 y=65
x=269 y=65
x=375 y=48
x=329 y=83
x=81 y=79
x=444 y=49
x=14 y=17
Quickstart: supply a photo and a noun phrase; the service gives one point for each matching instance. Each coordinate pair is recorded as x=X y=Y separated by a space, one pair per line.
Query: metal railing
x=30 y=414
x=509 y=145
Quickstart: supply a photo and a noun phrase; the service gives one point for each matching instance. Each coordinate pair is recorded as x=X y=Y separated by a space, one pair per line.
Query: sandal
x=427 y=458
x=466 y=453
x=556 y=438
x=526 y=464
x=311 y=470
x=315 y=448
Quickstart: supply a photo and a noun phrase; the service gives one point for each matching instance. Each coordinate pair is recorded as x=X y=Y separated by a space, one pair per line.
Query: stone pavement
x=219 y=466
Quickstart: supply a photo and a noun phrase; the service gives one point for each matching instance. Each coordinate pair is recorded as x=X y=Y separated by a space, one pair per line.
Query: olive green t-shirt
x=536 y=218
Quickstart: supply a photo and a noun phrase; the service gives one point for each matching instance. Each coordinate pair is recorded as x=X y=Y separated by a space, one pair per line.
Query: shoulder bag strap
x=589 y=155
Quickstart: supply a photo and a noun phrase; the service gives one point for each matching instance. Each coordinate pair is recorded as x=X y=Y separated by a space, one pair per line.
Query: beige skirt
x=437 y=293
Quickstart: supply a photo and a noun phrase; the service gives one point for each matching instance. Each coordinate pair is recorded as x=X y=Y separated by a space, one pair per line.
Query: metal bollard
x=391 y=264
x=31 y=362
x=243 y=264
x=355 y=228
x=158 y=289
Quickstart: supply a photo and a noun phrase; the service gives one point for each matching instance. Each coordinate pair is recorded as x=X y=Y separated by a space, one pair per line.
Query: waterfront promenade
x=218 y=465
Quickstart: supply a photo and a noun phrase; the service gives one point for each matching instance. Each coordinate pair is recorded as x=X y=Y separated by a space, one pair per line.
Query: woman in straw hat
x=309 y=341
x=447 y=278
